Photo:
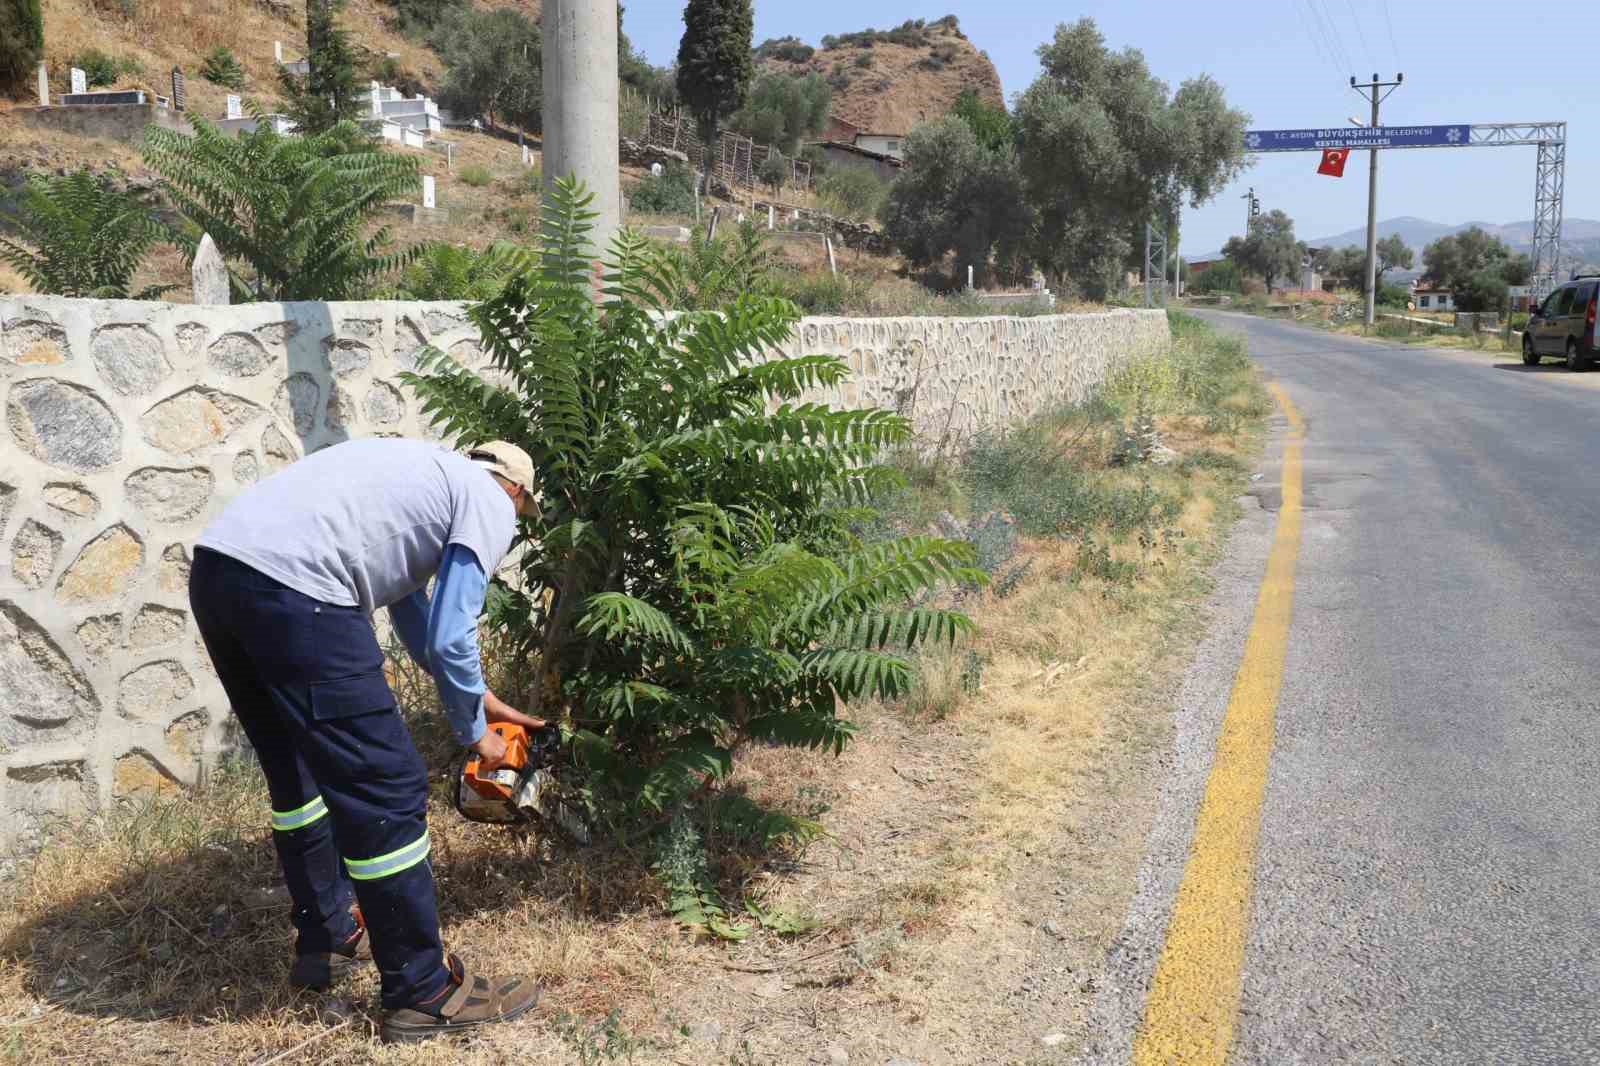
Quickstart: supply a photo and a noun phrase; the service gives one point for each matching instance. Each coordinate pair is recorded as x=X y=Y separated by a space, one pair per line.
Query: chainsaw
x=523 y=787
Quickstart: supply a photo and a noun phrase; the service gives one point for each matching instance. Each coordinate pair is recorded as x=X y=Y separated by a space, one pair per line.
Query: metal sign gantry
x=1550 y=174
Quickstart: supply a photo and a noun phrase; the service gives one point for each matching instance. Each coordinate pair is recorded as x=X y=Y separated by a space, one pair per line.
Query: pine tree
x=715 y=65
x=326 y=96
x=21 y=41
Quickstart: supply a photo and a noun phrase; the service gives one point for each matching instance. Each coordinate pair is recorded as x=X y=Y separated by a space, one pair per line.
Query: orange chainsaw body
x=487 y=795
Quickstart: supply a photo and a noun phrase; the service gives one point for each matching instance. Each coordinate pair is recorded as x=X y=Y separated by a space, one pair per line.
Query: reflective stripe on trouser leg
x=300 y=817
x=392 y=863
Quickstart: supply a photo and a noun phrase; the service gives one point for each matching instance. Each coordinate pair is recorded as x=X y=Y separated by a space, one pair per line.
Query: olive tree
x=1106 y=146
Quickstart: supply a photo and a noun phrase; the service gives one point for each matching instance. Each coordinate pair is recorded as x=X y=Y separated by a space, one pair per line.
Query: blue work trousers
x=349 y=791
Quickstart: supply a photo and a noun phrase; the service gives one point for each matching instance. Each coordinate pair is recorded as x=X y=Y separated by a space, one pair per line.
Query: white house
x=1429 y=298
x=889 y=144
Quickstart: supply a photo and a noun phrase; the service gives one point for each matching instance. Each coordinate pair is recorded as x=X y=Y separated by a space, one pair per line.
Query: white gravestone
x=427 y=192
x=277 y=51
x=44 y=84
x=235 y=106
x=377 y=101
x=80 y=81
x=656 y=170
x=210 y=274
x=527 y=157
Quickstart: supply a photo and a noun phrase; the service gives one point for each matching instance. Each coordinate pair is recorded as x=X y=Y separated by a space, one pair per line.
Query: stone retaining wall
x=128 y=424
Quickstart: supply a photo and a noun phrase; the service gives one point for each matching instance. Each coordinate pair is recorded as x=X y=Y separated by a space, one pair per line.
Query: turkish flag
x=1333 y=162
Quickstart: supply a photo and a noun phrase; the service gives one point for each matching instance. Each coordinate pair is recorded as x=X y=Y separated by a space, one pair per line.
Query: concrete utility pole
x=1374 y=91
x=580 y=105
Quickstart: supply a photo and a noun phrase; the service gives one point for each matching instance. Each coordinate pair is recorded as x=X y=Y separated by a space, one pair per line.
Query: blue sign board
x=1358 y=137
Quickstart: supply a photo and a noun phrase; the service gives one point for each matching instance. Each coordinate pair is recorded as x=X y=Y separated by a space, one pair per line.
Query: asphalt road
x=1427 y=879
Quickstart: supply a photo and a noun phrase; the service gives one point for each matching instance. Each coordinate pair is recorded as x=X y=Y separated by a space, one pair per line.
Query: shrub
x=819 y=294
x=417 y=16
x=717 y=272
x=691 y=586
x=476 y=176
x=773 y=171
x=295 y=209
x=100 y=69
x=852 y=192
x=863 y=61
x=21 y=42
x=453 y=272
x=788 y=49
x=222 y=68
x=83 y=237
x=1394 y=296
x=1218 y=277
x=670 y=194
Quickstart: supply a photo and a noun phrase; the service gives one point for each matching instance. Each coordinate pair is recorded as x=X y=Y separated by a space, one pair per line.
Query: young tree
x=694 y=586
x=956 y=196
x=1269 y=250
x=81 y=236
x=1394 y=255
x=494 y=65
x=1105 y=147
x=327 y=95
x=714 y=62
x=21 y=42
x=295 y=211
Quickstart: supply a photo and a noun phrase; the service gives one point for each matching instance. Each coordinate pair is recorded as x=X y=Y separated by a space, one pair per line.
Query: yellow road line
x=1194 y=995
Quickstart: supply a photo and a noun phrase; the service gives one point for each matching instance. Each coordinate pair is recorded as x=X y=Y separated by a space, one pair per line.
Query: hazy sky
x=1287 y=64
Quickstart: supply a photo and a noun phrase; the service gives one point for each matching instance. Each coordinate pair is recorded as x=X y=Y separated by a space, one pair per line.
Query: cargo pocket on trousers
x=347 y=697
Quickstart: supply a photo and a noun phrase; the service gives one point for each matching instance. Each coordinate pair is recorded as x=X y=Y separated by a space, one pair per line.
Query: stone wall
x=128 y=424
x=117 y=122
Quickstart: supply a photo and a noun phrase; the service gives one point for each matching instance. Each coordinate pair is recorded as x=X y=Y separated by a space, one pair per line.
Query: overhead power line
x=1389 y=22
x=1318 y=39
x=1355 y=17
x=1321 y=6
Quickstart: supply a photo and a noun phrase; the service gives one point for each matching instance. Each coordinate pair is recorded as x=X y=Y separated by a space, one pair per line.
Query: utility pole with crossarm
x=1375 y=92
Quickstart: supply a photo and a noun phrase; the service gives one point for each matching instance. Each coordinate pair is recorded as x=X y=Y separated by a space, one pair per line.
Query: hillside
x=888 y=81
x=157 y=35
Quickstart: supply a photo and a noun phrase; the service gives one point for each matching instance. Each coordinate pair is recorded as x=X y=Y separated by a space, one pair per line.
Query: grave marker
x=427 y=192
x=44 y=84
x=179 y=97
x=235 y=106
x=210 y=274
x=80 y=81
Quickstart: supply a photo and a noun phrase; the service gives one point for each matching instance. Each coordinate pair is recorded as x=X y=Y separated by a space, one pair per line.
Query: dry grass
x=960 y=823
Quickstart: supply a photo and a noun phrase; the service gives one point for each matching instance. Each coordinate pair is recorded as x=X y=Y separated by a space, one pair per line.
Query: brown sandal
x=473 y=1001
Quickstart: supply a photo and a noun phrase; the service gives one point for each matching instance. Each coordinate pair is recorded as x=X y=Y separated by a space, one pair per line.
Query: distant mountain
x=1580 y=239
x=1419 y=233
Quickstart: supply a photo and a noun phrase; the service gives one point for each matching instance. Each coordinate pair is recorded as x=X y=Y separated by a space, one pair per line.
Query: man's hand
x=491 y=750
x=497 y=710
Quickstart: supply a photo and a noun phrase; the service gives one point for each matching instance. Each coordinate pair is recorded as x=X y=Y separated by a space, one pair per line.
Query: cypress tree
x=21 y=41
x=714 y=62
x=328 y=94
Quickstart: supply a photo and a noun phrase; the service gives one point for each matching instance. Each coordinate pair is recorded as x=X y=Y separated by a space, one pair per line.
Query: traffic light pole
x=1374 y=91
